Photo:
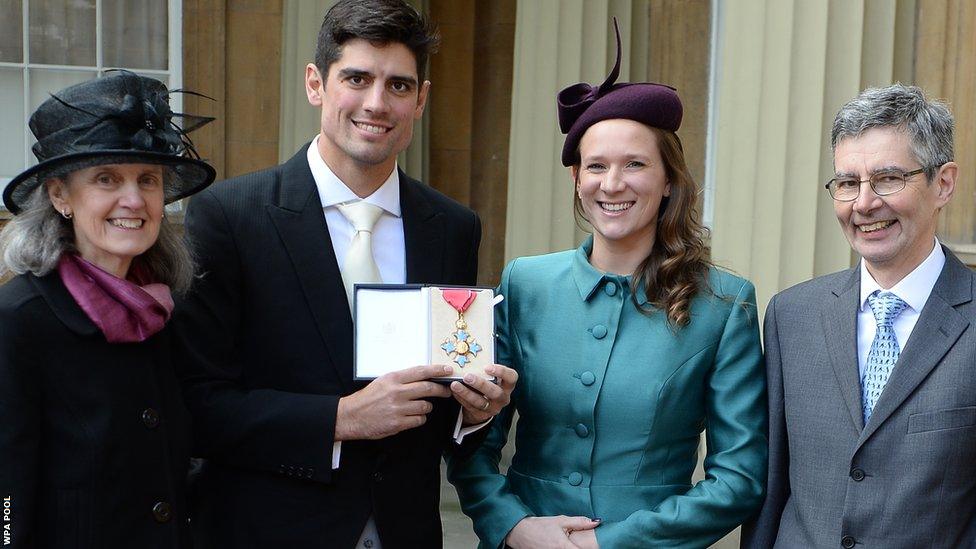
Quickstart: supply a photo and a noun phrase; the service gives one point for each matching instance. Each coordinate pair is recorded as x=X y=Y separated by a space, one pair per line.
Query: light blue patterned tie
x=884 y=349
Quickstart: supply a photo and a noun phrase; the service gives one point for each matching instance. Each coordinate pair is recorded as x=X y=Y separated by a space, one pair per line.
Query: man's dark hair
x=380 y=22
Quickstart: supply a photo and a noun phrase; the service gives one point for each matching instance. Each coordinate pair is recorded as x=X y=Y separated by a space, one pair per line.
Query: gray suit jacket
x=907 y=479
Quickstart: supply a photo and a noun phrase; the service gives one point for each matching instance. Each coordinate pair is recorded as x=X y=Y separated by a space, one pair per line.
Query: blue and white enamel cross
x=460 y=346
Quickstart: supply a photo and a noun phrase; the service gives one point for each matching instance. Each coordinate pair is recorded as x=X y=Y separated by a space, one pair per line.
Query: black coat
x=269 y=334
x=94 y=439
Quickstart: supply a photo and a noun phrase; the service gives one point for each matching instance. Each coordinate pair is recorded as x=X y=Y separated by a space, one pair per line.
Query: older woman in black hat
x=626 y=349
x=94 y=439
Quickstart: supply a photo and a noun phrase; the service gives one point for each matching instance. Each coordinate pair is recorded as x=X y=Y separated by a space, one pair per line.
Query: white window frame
x=172 y=76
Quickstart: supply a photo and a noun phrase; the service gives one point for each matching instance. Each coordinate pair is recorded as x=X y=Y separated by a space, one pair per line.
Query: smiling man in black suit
x=298 y=453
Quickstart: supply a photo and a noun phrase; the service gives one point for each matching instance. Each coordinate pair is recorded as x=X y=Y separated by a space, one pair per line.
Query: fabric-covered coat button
x=162 y=512
x=587 y=378
x=599 y=331
x=575 y=478
x=610 y=288
x=150 y=418
x=582 y=431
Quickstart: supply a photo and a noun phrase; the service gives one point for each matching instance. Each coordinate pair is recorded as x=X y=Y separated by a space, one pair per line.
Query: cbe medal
x=460 y=346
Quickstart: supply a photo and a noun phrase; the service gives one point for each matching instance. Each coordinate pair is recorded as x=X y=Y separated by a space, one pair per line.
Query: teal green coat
x=611 y=405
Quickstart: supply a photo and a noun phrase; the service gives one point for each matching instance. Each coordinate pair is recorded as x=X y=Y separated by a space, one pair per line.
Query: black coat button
x=847 y=542
x=150 y=418
x=857 y=475
x=162 y=512
x=378 y=476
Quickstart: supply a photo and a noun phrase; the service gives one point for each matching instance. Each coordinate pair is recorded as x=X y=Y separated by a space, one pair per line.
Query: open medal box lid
x=398 y=326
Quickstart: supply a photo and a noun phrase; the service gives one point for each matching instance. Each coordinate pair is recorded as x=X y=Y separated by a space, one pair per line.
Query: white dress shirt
x=914 y=290
x=389 y=250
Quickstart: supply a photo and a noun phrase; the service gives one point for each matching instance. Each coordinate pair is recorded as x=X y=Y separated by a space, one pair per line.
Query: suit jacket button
x=378 y=476
x=581 y=430
x=150 y=418
x=162 y=512
x=857 y=474
x=847 y=542
x=599 y=331
x=575 y=478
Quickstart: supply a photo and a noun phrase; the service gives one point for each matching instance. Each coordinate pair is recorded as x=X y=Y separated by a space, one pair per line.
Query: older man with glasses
x=872 y=371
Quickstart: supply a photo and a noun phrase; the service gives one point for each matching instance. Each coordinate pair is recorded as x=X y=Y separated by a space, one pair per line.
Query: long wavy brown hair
x=677 y=267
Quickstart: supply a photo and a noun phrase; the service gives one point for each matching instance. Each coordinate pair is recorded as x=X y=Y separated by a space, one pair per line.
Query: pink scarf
x=126 y=311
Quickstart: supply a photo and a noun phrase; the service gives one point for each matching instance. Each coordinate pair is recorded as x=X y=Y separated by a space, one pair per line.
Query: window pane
x=135 y=34
x=13 y=120
x=62 y=33
x=12 y=31
x=45 y=82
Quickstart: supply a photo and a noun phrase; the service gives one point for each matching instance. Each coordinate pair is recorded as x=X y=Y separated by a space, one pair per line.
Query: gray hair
x=929 y=123
x=34 y=240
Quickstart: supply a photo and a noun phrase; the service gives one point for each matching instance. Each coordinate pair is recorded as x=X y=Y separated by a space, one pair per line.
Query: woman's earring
x=66 y=214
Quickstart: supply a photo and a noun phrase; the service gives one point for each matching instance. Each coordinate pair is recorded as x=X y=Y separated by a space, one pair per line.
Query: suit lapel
x=939 y=326
x=300 y=223
x=422 y=234
x=840 y=327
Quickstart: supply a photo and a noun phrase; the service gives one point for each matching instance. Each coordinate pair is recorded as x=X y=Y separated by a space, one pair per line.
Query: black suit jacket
x=94 y=439
x=269 y=334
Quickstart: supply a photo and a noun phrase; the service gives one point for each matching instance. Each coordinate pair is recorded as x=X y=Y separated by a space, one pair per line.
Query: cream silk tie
x=359 y=265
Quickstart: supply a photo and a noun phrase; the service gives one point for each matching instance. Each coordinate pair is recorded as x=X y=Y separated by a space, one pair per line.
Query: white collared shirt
x=389 y=249
x=914 y=290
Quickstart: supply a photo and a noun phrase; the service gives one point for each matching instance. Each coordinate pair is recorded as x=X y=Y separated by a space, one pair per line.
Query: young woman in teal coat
x=627 y=349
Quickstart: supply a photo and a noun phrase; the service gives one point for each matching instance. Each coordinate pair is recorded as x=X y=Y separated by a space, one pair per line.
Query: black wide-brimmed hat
x=120 y=118
x=582 y=105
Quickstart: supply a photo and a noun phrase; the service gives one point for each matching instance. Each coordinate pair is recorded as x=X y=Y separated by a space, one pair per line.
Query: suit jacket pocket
x=953 y=418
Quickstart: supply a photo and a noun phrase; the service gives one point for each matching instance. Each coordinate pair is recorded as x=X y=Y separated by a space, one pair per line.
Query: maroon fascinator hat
x=582 y=105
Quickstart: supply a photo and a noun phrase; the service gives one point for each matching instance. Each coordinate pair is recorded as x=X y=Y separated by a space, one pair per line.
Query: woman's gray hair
x=34 y=240
x=928 y=123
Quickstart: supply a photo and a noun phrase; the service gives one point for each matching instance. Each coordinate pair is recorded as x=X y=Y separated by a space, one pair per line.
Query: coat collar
x=588 y=278
x=839 y=320
x=298 y=217
x=54 y=293
x=423 y=233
